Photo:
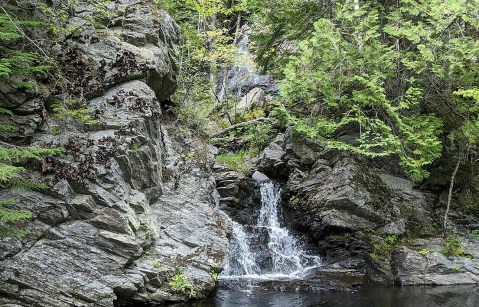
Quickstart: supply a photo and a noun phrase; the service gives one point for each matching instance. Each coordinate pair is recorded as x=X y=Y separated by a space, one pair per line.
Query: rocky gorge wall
x=369 y=223
x=129 y=215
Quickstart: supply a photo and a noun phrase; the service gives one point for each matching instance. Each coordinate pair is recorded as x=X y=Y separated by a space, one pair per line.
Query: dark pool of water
x=451 y=296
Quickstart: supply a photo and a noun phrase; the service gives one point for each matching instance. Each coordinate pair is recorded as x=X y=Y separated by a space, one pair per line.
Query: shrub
x=452 y=246
x=179 y=283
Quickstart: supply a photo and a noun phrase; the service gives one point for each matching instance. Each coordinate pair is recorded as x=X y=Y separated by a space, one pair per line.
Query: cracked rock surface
x=126 y=209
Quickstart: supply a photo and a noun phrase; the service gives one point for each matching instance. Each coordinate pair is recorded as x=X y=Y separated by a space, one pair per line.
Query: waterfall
x=243 y=263
x=244 y=66
x=267 y=250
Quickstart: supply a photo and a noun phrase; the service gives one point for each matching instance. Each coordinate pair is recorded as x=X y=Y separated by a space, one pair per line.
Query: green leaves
x=15 y=59
x=68 y=110
x=10 y=178
x=342 y=75
x=22 y=153
x=8 y=215
x=468 y=132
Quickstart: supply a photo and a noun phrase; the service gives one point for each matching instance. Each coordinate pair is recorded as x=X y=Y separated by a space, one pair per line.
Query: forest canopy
x=378 y=77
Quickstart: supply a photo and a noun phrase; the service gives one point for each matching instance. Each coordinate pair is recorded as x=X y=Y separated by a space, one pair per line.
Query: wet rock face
x=120 y=218
x=238 y=196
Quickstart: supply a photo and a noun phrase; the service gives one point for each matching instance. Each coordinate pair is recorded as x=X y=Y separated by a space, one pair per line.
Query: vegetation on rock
x=19 y=62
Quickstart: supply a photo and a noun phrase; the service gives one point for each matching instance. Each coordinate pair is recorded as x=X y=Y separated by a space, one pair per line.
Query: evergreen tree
x=14 y=60
x=15 y=65
x=10 y=177
x=385 y=72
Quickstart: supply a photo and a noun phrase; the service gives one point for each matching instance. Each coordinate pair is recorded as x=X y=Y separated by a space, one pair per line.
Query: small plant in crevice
x=457 y=268
x=452 y=246
x=70 y=110
x=214 y=274
x=180 y=284
x=135 y=145
x=56 y=130
x=383 y=247
x=426 y=252
x=293 y=202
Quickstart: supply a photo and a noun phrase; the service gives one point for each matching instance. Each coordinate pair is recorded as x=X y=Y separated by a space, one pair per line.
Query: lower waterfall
x=267 y=250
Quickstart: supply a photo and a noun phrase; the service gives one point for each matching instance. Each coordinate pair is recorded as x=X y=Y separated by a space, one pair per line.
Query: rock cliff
x=130 y=214
x=364 y=217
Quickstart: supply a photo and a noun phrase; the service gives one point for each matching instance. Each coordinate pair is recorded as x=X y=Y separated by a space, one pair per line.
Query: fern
x=13 y=60
x=10 y=177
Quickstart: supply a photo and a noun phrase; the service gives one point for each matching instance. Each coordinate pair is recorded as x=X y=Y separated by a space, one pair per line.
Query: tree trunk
x=449 y=196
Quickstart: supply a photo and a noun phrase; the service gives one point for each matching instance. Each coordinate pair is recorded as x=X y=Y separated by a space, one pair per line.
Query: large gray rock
x=236 y=193
x=256 y=98
x=134 y=43
x=122 y=213
x=192 y=239
x=432 y=268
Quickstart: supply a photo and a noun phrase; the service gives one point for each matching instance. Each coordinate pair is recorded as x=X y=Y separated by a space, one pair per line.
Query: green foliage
x=457 y=268
x=452 y=246
x=135 y=145
x=69 y=110
x=235 y=161
x=16 y=60
x=214 y=275
x=206 y=49
x=194 y=110
x=383 y=247
x=279 y=24
x=257 y=136
x=475 y=234
x=8 y=215
x=425 y=252
x=56 y=130
x=180 y=284
x=385 y=76
x=6 y=128
x=10 y=177
x=468 y=131
x=250 y=137
x=293 y=202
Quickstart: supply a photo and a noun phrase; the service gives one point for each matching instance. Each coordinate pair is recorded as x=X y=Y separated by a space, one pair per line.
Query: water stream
x=269 y=266
x=267 y=250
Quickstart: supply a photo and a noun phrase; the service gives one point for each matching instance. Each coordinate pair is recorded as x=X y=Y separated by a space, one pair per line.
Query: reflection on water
x=445 y=296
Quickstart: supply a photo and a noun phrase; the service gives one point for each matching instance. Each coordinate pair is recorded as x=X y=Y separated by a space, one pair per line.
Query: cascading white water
x=267 y=250
x=243 y=263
